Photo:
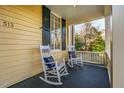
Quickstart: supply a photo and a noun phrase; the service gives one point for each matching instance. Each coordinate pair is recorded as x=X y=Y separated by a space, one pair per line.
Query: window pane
x=55 y=32
x=52 y=40
x=57 y=41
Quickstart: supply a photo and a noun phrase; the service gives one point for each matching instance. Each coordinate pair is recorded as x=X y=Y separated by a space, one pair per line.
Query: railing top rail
x=91 y=52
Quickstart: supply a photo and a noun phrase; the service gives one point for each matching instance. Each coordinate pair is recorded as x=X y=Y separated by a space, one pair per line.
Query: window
x=55 y=32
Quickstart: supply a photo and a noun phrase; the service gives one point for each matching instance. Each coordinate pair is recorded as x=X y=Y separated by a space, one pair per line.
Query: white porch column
x=71 y=35
x=108 y=34
x=118 y=45
x=108 y=39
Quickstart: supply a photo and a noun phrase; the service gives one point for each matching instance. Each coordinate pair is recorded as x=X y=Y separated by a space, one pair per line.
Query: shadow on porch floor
x=90 y=76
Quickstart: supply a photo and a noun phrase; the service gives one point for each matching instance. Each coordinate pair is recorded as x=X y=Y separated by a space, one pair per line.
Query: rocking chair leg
x=45 y=75
x=58 y=75
x=76 y=62
x=59 y=79
x=71 y=63
x=66 y=72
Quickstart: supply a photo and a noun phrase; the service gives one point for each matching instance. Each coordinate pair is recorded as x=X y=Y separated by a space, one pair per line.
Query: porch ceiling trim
x=82 y=13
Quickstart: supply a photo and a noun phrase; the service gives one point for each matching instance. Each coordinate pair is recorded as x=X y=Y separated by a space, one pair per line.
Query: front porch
x=20 y=54
x=90 y=76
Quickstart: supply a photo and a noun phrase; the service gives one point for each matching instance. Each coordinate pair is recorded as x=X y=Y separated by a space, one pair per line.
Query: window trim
x=57 y=50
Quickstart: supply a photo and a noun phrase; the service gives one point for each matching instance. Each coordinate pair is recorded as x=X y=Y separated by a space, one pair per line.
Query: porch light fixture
x=75 y=6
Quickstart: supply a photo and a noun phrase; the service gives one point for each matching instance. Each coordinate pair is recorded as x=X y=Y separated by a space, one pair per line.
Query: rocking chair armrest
x=77 y=58
x=64 y=60
x=74 y=58
x=56 y=62
x=55 y=59
x=50 y=63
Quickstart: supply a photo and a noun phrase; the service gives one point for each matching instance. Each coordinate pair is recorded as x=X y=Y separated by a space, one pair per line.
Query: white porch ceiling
x=82 y=13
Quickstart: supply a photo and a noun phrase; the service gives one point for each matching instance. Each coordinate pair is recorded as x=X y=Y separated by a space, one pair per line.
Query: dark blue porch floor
x=89 y=76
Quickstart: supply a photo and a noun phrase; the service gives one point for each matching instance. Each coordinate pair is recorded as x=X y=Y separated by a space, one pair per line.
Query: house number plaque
x=8 y=24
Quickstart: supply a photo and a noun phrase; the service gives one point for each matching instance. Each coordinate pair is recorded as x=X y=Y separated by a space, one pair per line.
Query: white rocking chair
x=72 y=57
x=51 y=68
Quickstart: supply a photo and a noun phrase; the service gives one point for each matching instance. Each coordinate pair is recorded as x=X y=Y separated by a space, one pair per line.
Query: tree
x=98 y=44
x=78 y=44
x=90 y=39
x=91 y=33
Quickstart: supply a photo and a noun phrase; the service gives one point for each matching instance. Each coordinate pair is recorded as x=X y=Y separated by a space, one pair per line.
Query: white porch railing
x=94 y=57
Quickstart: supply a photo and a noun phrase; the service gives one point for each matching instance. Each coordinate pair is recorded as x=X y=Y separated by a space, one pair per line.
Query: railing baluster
x=98 y=56
x=84 y=56
x=95 y=57
x=102 y=58
x=91 y=57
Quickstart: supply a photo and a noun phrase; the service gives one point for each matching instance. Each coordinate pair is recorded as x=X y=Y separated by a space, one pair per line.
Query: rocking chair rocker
x=51 y=68
x=72 y=57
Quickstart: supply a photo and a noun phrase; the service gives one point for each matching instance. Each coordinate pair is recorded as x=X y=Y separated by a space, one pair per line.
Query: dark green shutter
x=46 y=26
x=63 y=34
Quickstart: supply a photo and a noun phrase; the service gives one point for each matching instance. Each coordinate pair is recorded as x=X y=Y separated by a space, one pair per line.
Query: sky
x=95 y=23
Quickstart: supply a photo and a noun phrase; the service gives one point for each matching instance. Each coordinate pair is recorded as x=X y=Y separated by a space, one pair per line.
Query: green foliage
x=98 y=44
x=78 y=44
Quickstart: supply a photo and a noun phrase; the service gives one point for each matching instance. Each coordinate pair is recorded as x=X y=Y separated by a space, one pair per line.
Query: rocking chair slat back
x=45 y=51
x=71 y=48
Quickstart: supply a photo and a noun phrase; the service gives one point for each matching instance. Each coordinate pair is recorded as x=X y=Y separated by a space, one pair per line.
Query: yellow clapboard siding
x=19 y=46
x=18 y=32
x=20 y=67
x=18 y=21
x=19 y=78
x=19 y=57
x=20 y=74
x=14 y=47
x=9 y=64
x=35 y=10
x=20 y=14
x=19 y=37
x=23 y=67
x=23 y=12
x=23 y=27
x=18 y=17
x=18 y=52
x=9 y=41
